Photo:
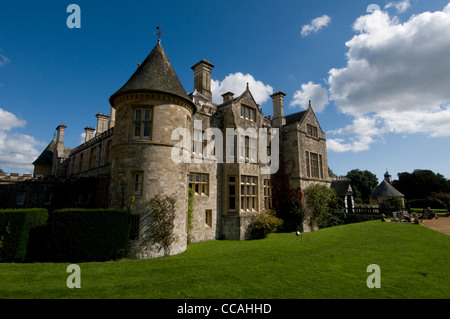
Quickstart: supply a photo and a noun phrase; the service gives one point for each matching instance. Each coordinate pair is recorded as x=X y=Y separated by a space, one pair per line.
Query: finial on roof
x=247 y=85
x=159 y=33
x=309 y=103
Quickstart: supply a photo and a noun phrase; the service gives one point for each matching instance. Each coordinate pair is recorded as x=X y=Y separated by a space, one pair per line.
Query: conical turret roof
x=155 y=74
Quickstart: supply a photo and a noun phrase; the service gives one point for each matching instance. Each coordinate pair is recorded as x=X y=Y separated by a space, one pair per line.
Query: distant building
x=344 y=191
x=386 y=192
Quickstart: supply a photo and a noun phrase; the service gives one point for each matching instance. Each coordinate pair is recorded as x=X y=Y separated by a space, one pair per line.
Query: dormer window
x=248 y=113
x=143 y=123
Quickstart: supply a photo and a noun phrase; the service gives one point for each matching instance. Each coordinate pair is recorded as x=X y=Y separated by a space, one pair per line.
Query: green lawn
x=329 y=263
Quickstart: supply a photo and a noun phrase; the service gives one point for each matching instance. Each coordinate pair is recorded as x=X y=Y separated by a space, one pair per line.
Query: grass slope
x=329 y=263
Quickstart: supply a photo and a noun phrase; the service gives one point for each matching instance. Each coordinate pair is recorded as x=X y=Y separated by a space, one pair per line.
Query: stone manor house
x=129 y=154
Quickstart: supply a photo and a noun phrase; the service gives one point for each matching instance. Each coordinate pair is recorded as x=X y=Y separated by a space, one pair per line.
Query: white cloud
x=315 y=25
x=9 y=121
x=311 y=92
x=17 y=151
x=401 y=6
x=237 y=83
x=361 y=132
x=397 y=76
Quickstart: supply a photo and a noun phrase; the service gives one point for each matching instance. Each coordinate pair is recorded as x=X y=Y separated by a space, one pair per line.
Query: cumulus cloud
x=315 y=25
x=397 y=75
x=17 y=151
x=311 y=92
x=8 y=121
x=401 y=6
x=237 y=83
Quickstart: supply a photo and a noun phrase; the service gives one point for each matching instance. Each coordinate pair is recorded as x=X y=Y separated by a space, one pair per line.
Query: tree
x=321 y=203
x=363 y=183
x=421 y=184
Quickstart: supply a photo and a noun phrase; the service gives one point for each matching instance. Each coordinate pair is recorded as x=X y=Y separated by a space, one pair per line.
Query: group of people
x=428 y=213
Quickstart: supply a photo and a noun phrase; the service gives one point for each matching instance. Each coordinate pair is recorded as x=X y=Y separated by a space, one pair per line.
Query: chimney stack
x=112 y=120
x=60 y=140
x=89 y=133
x=278 y=109
x=202 y=78
x=102 y=123
x=227 y=97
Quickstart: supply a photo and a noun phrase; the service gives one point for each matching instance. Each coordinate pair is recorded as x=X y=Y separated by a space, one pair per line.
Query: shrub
x=80 y=235
x=263 y=225
x=15 y=229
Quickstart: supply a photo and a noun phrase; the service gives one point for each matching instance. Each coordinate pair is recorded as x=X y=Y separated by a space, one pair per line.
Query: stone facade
x=129 y=154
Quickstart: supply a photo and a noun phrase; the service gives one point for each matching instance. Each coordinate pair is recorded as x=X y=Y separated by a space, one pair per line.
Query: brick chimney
x=202 y=78
x=278 y=109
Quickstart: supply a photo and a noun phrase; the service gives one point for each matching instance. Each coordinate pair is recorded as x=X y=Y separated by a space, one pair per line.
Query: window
x=208 y=217
x=47 y=198
x=108 y=152
x=248 y=113
x=20 y=198
x=249 y=194
x=248 y=149
x=137 y=183
x=92 y=158
x=231 y=193
x=312 y=131
x=314 y=166
x=198 y=142
x=199 y=183
x=80 y=163
x=143 y=123
x=268 y=193
x=134 y=227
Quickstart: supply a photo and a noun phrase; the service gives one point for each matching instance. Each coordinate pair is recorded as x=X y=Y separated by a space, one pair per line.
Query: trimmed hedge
x=15 y=228
x=81 y=235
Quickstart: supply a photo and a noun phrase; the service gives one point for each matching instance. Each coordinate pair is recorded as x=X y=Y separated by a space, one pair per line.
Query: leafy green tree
x=421 y=184
x=321 y=203
x=363 y=184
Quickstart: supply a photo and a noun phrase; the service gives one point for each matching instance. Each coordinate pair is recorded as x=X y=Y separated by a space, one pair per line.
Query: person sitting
x=405 y=216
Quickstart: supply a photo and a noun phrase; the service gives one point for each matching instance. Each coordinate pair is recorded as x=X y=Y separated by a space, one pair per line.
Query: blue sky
x=378 y=81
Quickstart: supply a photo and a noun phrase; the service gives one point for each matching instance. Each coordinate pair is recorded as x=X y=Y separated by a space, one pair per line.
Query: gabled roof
x=342 y=187
x=296 y=117
x=46 y=156
x=386 y=190
x=155 y=74
x=248 y=94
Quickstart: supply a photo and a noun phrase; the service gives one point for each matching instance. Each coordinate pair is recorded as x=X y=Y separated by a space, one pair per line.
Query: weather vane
x=159 y=32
